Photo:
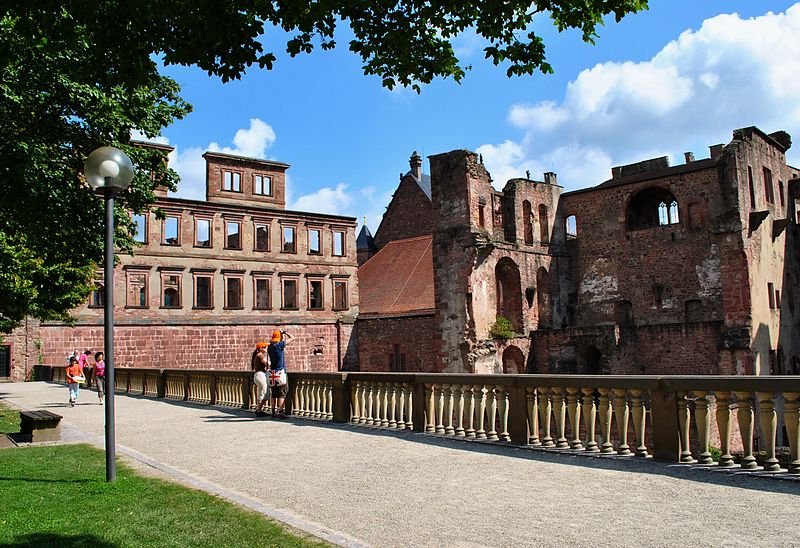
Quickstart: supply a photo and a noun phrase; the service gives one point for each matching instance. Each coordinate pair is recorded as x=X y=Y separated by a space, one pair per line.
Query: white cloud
x=334 y=201
x=729 y=73
x=251 y=142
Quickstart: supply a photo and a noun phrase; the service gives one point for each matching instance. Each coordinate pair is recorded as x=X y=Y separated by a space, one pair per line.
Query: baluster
x=639 y=417
x=313 y=387
x=544 y=415
x=401 y=403
x=724 y=427
x=329 y=408
x=308 y=398
x=320 y=388
x=560 y=414
x=377 y=397
x=469 y=393
x=744 y=416
x=447 y=390
x=769 y=427
x=533 y=416
x=589 y=413
x=410 y=406
x=429 y=416
x=303 y=396
x=574 y=413
x=393 y=386
x=439 y=390
x=502 y=394
x=481 y=433
x=703 y=421
x=370 y=388
x=460 y=410
x=621 y=417
x=684 y=420
x=356 y=403
x=791 y=417
x=385 y=387
x=491 y=419
x=605 y=421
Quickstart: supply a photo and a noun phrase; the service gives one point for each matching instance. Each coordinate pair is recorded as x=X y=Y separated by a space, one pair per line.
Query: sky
x=676 y=78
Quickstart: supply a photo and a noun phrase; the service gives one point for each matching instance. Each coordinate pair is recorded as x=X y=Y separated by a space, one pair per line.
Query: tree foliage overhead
x=78 y=74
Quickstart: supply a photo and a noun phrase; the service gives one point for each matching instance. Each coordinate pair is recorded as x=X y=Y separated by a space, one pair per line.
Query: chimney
x=550 y=178
x=716 y=151
x=416 y=166
x=689 y=156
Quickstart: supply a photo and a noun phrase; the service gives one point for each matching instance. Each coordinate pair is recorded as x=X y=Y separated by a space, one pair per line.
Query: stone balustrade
x=674 y=418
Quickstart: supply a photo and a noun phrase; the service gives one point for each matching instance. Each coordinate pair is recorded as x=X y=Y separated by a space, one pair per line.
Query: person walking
x=279 y=387
x=99 y=374
x=74 y=378
x=258 y=363
x=83 y=361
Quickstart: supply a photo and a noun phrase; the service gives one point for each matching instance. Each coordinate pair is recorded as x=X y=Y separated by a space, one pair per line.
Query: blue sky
x=679 y=77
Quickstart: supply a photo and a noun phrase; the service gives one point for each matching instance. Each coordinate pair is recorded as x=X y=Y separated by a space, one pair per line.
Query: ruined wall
x=407 y=344
x=227 y=347
x=24 y=349
x=409 y=214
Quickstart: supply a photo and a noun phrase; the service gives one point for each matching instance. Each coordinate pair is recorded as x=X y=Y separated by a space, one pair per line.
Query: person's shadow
x=36 y=540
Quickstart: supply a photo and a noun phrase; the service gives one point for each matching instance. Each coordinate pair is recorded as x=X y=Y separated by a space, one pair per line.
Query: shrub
x=502 y=329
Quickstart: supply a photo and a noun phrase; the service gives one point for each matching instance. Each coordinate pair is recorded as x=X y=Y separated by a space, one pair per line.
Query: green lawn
x=57 y=495
x=9 y=420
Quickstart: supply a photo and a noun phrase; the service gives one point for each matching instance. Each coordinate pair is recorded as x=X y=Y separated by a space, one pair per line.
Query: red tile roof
x=398 y=279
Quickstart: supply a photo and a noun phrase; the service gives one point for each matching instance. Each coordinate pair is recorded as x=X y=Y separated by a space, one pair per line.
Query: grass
x=9 y=420
x=56 y=495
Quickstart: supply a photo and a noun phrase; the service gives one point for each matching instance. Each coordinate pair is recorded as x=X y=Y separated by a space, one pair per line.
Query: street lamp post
x=108 y=171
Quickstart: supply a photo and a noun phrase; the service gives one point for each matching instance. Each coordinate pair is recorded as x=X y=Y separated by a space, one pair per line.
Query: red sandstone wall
x=201 y=347
x=409 y=214
x=414 y=337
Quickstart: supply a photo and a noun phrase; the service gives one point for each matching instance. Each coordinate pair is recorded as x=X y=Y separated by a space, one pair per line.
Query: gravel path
x=358 y=486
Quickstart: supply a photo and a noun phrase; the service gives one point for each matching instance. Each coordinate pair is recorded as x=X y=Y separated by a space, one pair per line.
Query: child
x=74 y=378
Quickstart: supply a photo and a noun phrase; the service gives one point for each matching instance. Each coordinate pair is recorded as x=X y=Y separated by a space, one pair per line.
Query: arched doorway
x=527 y=219
x=513 y=361
x=593 y=357
x=509 y=292
x=543 y=298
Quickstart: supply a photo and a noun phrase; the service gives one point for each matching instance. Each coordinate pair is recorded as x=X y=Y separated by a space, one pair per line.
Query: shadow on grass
x=41 y=480
x=62 y=541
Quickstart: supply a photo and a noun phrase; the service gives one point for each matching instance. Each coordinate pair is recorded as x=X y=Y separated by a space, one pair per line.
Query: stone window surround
x=334 y=231
x=257 y=222
x=267 y=277
x=264 y=178
x=137 y=270
x=203 y=273
x=171 y=215
x=318 y=230
x=204 y=217
x=228 y=275
x=320 y=279
x=344 y=280
x=146 y=218
x=232 y=172
x=166 y=271
x=286 y=277
x=284 y=226
x=237 y=220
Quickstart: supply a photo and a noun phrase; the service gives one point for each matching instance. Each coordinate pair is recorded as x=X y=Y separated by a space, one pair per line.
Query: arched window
x=527 y=220
x=513 y=361
x=98 y=296
x=543 y=298
x=571 y=227
x=652 y=207
x=544 y=224
x=509 y=292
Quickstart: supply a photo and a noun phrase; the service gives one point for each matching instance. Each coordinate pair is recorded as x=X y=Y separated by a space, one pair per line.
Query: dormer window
x=262 y=185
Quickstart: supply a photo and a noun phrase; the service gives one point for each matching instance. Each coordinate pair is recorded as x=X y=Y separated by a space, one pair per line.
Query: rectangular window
x=232 y=181
x=140 y=228
x=203 y=292
x=262 y=185
x=314 y=241
x=289 y=293
x=170 y=290
x=262 y=300
x=289 y=240
x=262 y=237
x=781 y=194
x=233 y=235
x=768 y=188
x=137 y=290
x=202 y=232
x=98 y=298
x=752 y=187
x=338 y=243
x=339 y=295
x=233 y=292
x=771 y=294
x=172 y=231
x=315 y=295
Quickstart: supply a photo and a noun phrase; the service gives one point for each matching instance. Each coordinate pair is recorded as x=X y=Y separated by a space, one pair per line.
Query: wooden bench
x=40 y=425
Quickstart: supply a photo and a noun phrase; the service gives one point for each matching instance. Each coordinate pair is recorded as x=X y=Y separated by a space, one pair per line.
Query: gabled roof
x=398 y=279
x=424 y=183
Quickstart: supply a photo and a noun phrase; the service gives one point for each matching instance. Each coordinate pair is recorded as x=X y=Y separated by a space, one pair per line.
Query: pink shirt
x=100 y=368
x=82 y=360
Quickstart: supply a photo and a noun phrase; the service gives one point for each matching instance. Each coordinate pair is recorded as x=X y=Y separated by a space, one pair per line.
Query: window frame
x=263 y=177
x=334 y=233
x=238 y=223
x=146 y=223
x=231 y=172
x=319 y=240
x=769 y=187
x=229 y=277
x=177 y=218
x=345 y=295
x=98 y=297
x=210 y=221
x=320 y=281
x=256 y=225
x=129 y=275
x=210 y=277
x=268 y=280
x=296 y=281
x=179 y=287
x=293 y=228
